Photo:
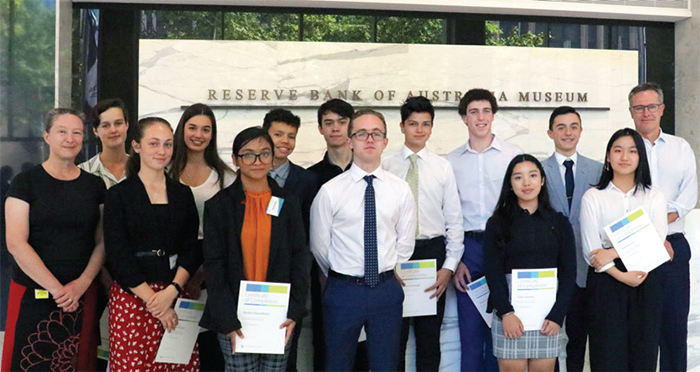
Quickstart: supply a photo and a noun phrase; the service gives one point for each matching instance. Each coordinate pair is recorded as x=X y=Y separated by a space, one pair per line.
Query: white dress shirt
x=672 y=167
x=439 y=212
x=479 y=178
x=562 y=168
x=338 y=220
x=94 y=166
x=599 y=208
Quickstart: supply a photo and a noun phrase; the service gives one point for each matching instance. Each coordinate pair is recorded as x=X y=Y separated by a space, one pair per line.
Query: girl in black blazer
x=229 y=252
x=150 y=228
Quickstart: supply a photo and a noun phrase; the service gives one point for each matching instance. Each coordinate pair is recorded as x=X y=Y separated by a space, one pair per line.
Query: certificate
x=176 y=346
x=418 y=276
x=262 y=308
x=637 y=242
x=479 y=293
x=533 y=293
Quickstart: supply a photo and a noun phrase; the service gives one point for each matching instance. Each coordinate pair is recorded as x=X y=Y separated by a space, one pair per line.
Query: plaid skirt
x=530 y=345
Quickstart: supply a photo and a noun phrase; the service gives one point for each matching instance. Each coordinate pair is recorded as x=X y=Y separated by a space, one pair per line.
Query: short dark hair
x=642 y=175
x=105 y=105
x=644 y=87
x=54 y=113
x=477 y=94
x=281 y=115
x=562 y=110
x=364 y=112
x=335 y=105
x=250 y=134
x=417 y=104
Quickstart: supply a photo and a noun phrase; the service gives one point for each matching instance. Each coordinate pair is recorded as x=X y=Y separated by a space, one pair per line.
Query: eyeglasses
x=363 y=136
x=250 y=159
x=654 y=107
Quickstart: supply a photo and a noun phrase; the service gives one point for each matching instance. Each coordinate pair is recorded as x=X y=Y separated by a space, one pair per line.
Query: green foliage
x=494 y=36
x=285 y=26
x=338 y=28
x=261 y=26
x=27 y=37
x=410 y=30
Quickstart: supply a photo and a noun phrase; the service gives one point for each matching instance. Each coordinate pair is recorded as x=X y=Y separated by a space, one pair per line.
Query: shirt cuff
x=606 y=267
x=451 y=264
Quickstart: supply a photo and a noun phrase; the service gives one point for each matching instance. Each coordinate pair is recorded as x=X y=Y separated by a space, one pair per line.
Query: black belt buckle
x=156 y=253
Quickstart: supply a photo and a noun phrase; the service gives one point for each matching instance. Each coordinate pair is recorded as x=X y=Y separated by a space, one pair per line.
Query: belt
x=153 y=253
x=424 y=242
x=475 y=234
x=360 y=280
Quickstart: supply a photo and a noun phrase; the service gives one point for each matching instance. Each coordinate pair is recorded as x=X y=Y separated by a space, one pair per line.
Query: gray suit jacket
x=587 y=174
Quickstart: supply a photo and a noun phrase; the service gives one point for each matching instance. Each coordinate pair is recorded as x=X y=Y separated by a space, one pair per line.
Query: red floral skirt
x=135 y=334
x=39 y=336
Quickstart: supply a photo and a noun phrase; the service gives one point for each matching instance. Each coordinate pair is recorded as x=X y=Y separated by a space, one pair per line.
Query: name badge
x=173 y=261
x=275 y=206
x=41 y=294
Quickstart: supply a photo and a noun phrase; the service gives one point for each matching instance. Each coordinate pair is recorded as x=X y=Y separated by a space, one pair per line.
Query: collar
x=282 y=171
x=663 y=137
x=358 y=174
x=611 y=186
x=561 y=158
x=327 y=160
x=496 y=144
x=406 y=152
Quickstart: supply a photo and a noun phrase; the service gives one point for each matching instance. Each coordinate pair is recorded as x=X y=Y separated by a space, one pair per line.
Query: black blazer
x=302 y=183
x=289 y=261
x=132 y=224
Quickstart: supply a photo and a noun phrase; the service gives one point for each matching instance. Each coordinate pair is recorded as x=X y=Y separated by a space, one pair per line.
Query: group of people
x=178 y=222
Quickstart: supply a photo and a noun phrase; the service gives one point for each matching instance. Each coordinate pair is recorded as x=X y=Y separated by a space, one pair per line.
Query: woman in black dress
x=151 y=227
x=53 y=217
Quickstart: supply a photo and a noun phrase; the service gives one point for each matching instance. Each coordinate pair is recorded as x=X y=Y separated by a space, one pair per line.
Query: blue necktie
x=569 y=180
x=371 y=266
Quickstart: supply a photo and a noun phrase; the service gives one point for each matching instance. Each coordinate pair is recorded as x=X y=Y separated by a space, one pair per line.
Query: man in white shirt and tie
x=672 y=167
x=439 y=233
x=569 y=174
x=479 y=166
x=363 y=223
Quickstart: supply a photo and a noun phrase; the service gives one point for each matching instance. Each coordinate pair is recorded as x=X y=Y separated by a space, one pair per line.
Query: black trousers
x=624 y=322
x=675 y=283
x=576 y=331
x=426 y=328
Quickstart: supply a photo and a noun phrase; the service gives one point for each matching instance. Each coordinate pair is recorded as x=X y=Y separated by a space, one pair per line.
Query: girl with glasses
x=244 y=240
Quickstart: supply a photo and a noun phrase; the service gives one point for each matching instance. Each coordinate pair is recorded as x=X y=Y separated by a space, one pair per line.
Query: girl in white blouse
x=623 y=307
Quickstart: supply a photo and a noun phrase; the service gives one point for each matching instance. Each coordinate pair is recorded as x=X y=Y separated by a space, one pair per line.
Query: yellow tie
x=412 y=179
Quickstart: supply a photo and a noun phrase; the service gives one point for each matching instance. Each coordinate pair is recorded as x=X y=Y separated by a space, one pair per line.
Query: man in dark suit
x=569 y=175
x=283 y=127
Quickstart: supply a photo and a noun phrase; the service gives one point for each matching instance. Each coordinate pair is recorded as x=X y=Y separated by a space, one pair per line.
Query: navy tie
x=569 y=180
x=371 y=266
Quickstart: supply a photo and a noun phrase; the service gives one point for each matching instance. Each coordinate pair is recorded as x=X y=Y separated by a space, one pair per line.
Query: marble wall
x=242 y=80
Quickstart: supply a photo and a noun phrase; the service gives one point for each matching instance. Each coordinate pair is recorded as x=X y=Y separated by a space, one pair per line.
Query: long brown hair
x=211 y=154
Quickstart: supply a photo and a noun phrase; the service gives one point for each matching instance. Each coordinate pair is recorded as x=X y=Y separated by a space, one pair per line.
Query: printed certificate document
x=479 y=293
x=176 y=346
x=262 y=308
x=533 y=293
x=418 y=276
x=637 y=242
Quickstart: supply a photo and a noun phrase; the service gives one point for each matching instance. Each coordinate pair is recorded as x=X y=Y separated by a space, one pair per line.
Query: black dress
x=63 y=217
